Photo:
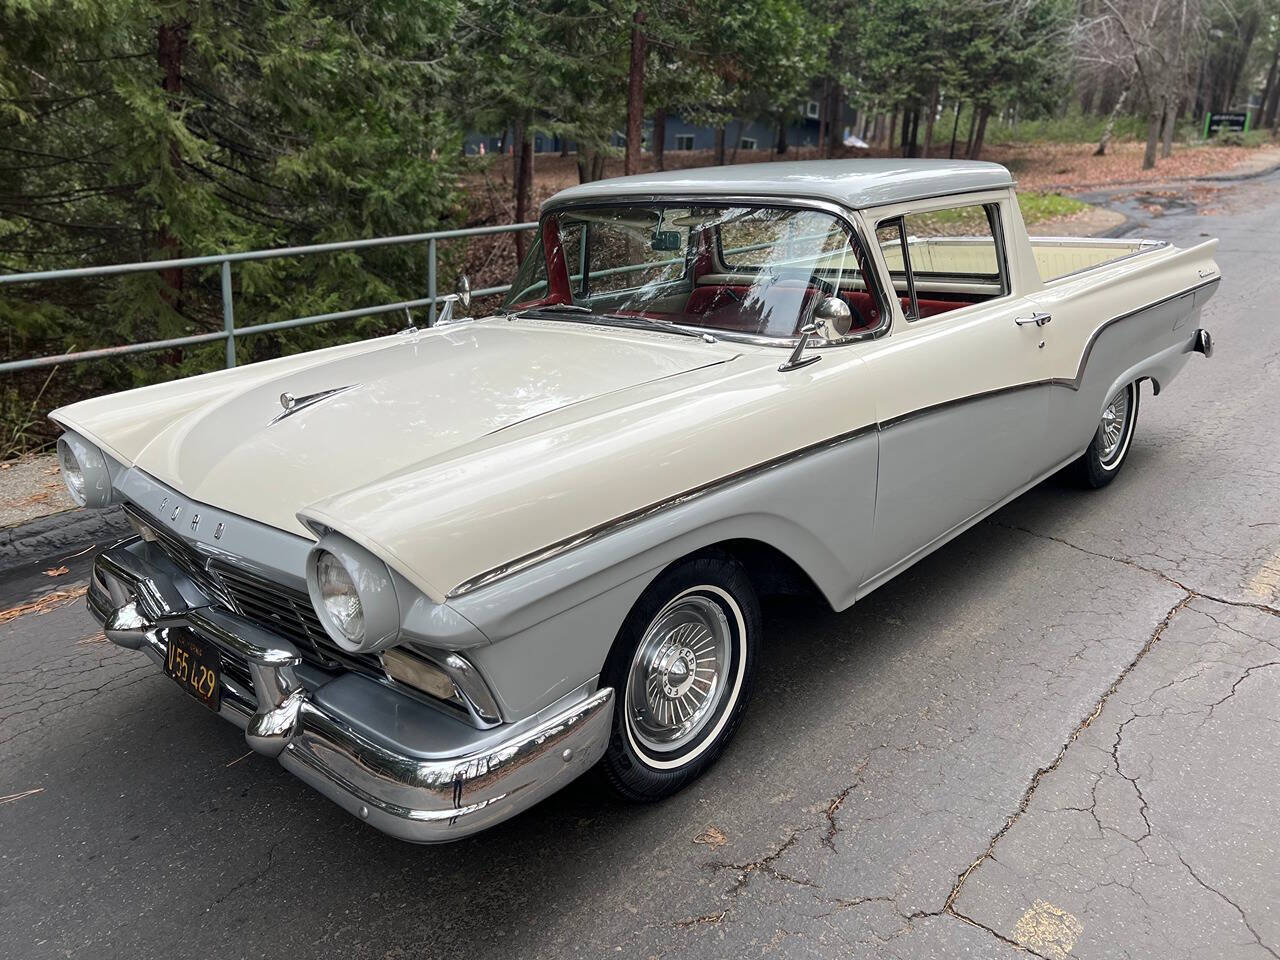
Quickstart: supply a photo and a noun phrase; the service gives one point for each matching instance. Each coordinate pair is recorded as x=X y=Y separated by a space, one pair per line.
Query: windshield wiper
x=587 y=315
x=553 y=308
x=648 y=323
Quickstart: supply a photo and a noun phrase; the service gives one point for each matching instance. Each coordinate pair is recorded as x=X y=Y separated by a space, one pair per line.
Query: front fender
x=551 y=625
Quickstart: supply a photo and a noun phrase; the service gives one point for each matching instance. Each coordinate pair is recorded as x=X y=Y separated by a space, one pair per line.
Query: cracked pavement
x=1058 y=736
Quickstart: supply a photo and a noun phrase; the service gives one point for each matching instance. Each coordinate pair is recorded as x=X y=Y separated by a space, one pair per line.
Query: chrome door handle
x=1039 y=319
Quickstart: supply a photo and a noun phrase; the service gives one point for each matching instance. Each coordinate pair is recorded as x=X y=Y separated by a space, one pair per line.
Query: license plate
x=193 y=663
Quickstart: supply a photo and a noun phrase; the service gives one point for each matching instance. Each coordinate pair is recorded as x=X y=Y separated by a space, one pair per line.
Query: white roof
x=853 y=183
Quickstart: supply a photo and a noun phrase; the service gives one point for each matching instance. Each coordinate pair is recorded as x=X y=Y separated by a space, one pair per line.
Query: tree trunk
x=1267 y=111
x=835 y=119
x=976 y=152
x=1232 y=77
x=1153 y=135
x=524 y=186
x=737 y=142
x=1271 y=108
x=781 y=147
x=973 y=127
x=824 y=106
x=893 y=126
x=955 y=126
x=1087 y=96
x=928 y=124
x=719 y=146
x=1170 y=121
x=1111 y=118
x=597 y=166
x=660 y=139
x=635 y=96
x=171 y=47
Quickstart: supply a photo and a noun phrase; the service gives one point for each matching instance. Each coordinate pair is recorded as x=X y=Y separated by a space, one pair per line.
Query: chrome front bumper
x=424 y=799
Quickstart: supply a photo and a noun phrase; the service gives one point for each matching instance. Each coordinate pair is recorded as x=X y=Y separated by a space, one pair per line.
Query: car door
x=961 y=390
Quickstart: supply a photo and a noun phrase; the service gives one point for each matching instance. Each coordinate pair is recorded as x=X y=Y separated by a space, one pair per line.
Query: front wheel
x=1110 y=445
x=682 y=668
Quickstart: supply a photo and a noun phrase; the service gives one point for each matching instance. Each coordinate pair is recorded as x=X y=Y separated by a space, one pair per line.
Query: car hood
x=398 y=403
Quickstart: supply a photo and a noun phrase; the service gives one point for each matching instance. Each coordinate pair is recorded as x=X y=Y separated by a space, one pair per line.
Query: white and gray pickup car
x=441 y=573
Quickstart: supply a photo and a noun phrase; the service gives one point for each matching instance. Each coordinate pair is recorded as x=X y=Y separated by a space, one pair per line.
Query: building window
x=811 y=110
x=747 y=143
x=684 y=141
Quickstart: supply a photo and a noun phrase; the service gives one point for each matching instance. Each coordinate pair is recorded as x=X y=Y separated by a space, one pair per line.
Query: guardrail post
x=431 y=281
x=228 y=314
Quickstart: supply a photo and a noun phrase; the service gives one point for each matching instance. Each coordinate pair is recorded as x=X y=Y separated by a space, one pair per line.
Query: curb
x=1251 y=175
x=38 y=539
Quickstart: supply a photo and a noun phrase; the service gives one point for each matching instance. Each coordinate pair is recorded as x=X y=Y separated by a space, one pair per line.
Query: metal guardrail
x=223 y=261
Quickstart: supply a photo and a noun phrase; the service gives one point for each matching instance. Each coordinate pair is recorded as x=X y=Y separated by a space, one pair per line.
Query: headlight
x=353 y=595
x=84 y=470
x=339 y=597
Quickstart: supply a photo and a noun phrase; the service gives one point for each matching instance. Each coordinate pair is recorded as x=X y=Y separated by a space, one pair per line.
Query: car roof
x=853 y=183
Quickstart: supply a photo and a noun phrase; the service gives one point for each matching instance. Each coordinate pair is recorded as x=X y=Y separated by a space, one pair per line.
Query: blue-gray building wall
x=800 y=133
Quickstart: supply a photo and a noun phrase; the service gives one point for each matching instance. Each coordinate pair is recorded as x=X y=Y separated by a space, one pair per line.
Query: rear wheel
x=681 y=668
x=1110 y=445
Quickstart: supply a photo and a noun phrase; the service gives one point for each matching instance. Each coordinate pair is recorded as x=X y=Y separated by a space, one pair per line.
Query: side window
x=943 y=260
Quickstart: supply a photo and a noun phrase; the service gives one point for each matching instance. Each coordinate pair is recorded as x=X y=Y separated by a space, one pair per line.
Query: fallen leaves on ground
x=9 y=798
x=57 y=571
x=40 y=496
x=43 y=604
x=712 y=837
x=1072 y=166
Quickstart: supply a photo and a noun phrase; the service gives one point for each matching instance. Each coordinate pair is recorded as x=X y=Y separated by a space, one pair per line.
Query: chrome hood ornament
x=290 y=404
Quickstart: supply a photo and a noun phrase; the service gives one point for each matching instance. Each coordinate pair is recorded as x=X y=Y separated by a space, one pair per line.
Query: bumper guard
x=415 y=799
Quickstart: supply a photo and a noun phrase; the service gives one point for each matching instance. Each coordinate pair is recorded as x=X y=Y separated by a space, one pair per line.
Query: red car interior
x=765 y=308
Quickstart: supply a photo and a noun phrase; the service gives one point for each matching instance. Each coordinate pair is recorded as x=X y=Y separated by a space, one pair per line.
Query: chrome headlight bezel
x=84 y=471
x=371 y=580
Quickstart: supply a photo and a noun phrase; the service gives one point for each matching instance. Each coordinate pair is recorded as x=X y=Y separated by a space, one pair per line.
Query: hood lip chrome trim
x=298 y=404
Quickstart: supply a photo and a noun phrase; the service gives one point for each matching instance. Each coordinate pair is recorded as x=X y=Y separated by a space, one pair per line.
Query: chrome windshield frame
x=840 y=213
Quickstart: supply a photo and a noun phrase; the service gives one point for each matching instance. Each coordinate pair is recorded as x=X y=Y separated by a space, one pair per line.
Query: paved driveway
x=1061 y=732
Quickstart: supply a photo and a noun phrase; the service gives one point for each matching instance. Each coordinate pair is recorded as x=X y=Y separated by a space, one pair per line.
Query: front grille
x=183 y=557
x=281 y=610
x=285 y=612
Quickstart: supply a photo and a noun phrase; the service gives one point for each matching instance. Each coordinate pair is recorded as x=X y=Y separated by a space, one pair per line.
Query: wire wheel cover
x=1115 y=419
x=677 y=676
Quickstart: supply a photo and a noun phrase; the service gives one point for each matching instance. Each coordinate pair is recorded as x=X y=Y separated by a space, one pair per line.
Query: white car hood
x=413 y=399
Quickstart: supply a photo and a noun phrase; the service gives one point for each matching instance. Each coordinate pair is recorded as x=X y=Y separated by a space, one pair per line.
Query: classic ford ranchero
x=441 y=573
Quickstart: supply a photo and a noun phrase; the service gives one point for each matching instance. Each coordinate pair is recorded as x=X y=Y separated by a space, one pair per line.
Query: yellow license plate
x=194 y=663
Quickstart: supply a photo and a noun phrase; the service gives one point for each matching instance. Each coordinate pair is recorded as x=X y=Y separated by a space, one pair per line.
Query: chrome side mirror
x=464 y=291
x=832 y=319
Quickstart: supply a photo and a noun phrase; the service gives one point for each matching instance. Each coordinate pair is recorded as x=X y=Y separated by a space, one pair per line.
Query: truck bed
x=1059 y=257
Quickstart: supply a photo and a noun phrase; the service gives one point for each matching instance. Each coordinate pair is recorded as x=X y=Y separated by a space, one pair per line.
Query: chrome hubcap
x=1114 y=417
x=678 y=672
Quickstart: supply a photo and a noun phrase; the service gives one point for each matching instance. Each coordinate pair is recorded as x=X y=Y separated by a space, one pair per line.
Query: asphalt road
x=1061 y=732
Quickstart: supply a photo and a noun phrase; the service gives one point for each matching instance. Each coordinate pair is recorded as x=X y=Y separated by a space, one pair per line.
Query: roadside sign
x=1229 y=122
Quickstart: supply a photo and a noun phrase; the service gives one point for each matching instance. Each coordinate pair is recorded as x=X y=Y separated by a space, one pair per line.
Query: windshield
x=750 y=270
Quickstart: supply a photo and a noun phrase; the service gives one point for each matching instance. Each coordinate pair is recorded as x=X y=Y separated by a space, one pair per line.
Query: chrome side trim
x=1074 y=382
x=533 y=558
x=610 y=526
x=957 y=401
